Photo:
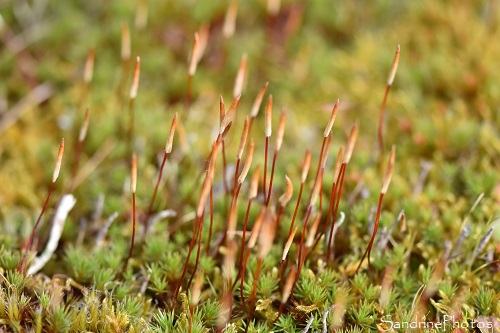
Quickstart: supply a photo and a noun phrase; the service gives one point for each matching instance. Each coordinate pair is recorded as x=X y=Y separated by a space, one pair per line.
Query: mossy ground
x=442 y=114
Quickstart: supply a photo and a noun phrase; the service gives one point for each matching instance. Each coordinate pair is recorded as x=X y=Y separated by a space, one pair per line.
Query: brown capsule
x=269 y=115
x=351 y=142
x=266 y=235
x=228 y=117
x=289 y=243
x=243 y=140
x=394 y=67
x=85 y=125
x=57 y=168
x=258 y=101
x=247 y=165
x=170 y=141
x=306 y=165
x=281 y=131
x=254 y=184
x=285 y=198
x=333 y=115
x=390 y=168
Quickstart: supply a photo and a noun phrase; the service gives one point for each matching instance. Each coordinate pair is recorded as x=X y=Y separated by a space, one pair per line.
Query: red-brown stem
x=250 y=124
x=190 y=320
x=374 y=233
x=321 y=156
x=280 y=312
x=340 y=182
x=296 y=209
x=22 y=265
x=278 y=217
x=224 y=178
x=245 y=225
x=132 y=241
x=200 y=233
x=309 y=209
x=330 y=209
x=265 y=166
x=306 y=252
x=207 y=247
x=271 y=179
x=381 y=120
x=150 y=208
x=234 y=202
x=282 y=263
x=236 y=172
x=308 y=214
x=253 y=293
x=247 y=254
x=191 y=246
x=320 y=179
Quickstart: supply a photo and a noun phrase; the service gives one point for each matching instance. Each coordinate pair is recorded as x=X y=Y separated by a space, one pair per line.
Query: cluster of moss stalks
x=250 y=220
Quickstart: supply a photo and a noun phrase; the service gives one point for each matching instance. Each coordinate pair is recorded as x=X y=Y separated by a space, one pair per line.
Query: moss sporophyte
x=243 y=222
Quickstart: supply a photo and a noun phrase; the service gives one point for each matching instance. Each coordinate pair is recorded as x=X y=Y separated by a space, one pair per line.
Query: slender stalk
x=22 y=266
x=279 y=142
x=385 y=186
x=253 y=292
x=200 y=234
x=375 y=228
x=390 y=80
x=340 y=182
x=244 y=135
x=304 y=228
x=252 y=194
x=299 y=256
x=191 y=246
x=251 y=243
x=133 y=186
x=207 y=184
x=266 y=240
x=151 y=203
x=243 y=238
x=131 y=108
x=224 y=165
x=305 y=170
x=288 y=244
x=207 y=247
x=167 y=151
x=321 y=156
x=351 y=143
x=332 y=196
x=23 y=263
x=271 y=178
x=287 y=290
x=329 y=214
x=268 y=132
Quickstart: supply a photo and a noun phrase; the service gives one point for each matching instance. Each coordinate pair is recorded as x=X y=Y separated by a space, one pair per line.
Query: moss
x=439 y=259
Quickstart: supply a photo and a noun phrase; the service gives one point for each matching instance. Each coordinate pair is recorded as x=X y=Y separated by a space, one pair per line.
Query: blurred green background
x=442 y=109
